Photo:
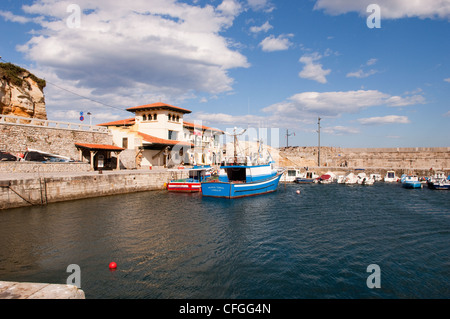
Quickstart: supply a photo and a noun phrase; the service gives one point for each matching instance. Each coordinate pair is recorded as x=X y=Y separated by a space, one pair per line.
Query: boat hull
x=412 y=184
x=300 y=180
x=184 y=187
x=237 y=190
x=439 y=186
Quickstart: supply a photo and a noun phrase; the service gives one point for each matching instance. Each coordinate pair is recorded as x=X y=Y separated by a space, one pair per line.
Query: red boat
x=191 y=184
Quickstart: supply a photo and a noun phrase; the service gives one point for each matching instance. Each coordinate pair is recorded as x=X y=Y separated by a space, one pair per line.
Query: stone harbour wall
x=387 y=158
x=18 y=138
x=34 y=190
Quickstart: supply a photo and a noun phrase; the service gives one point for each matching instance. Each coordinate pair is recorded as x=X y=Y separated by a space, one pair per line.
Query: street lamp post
x=90 y=118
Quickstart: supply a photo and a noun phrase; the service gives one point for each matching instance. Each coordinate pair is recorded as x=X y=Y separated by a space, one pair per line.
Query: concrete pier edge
x=28 y=290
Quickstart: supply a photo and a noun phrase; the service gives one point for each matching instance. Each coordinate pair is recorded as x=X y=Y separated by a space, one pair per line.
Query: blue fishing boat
x=410 y=181
x=243 y=176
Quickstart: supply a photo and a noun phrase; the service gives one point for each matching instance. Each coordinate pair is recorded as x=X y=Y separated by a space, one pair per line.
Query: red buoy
x=112 y=265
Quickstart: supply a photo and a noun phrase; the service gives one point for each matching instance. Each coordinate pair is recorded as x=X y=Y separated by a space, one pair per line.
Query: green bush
x=12 y=73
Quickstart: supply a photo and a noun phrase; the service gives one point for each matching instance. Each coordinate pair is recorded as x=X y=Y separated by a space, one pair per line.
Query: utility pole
x=287 y=137
x=318 y=153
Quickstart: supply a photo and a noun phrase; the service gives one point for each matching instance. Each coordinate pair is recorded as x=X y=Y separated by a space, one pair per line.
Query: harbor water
x=284 y=245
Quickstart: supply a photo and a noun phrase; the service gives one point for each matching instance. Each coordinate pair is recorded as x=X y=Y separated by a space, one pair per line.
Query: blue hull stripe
x=234 y=190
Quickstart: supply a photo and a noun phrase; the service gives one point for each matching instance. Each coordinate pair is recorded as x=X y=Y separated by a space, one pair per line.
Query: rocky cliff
x=21 y=93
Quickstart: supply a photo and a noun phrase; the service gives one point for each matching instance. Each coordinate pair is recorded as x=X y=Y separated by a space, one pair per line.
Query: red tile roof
x=189 y=124
x=157 y=140
x=158 y=105
x=99 y=147
x=119 y=123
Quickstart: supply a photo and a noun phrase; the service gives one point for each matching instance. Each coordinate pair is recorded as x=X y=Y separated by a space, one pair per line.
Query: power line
x=84 y=97
x=74 y=93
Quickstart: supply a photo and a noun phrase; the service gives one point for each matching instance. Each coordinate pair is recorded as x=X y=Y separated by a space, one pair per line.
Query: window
x=125 y=142
x=144 y=117
x=172 y=135
x=170 y=117
x=155 y=116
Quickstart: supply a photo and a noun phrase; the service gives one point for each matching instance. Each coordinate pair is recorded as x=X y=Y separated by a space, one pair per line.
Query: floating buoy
x=112 y=265
x=298 y=191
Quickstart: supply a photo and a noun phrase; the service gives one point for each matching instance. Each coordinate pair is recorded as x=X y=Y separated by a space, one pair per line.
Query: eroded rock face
x=20 y=93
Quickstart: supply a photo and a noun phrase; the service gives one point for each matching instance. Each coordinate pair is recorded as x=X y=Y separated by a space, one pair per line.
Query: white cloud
x=372 y=61
x=364 y=74
x=230 y=7
x=447 y=114
x=447 y=80
x=338 y=103
x=388 y=119
x=75 y=115
x=227 y=119
x=280 y=43
x=390 y=9
x=312 y=69
x=340 y=130
x=405 y=101
x=135 y=50
x=261 y=5
x=8 y=16
x=361 y=74
x=302 y=109
x=264 y=28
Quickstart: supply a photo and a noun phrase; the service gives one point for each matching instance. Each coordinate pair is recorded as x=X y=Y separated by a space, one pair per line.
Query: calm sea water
x=282 y=245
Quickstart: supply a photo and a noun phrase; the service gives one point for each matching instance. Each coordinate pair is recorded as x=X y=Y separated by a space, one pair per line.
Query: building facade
x=158 y=136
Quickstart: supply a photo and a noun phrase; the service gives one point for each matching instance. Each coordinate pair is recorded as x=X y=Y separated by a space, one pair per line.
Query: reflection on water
x=282 y=245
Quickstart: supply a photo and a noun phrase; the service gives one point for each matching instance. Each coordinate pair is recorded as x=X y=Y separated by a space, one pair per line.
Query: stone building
x=157 y=135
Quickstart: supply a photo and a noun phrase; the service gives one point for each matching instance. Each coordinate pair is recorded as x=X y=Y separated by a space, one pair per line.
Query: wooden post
x=92 y=158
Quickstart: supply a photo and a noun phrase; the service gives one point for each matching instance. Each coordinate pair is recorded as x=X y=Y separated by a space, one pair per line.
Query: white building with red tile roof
x=157 y=135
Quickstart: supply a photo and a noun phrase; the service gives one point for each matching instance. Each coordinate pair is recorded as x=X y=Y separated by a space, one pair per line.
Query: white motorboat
x=390 y=177
x=351 y=179
x=291 y=174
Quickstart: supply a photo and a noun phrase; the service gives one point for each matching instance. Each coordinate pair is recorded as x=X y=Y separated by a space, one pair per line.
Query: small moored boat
x=291 y=174
x=410 y=181
x=439 y=182
x=390 y=177
x=192 y=184
x=307 y=177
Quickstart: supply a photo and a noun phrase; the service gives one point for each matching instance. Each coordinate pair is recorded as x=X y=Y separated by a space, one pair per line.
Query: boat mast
x=235 y=141
x=318 y=153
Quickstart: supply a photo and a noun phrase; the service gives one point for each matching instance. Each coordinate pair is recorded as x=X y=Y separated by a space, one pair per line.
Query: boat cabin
x=236 y=174
x=199 y=174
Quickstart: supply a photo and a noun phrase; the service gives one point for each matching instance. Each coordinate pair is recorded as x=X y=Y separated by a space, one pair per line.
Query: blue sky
x=257 y=63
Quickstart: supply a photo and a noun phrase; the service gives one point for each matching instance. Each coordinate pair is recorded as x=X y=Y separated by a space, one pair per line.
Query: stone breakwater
x=423 y=158
x=18 y=190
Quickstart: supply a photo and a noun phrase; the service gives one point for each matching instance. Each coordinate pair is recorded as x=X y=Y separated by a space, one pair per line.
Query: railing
x=18 y=120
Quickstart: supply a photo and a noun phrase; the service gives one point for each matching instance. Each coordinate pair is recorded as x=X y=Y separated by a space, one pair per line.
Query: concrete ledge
x=18 y=290
x=38 y=167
